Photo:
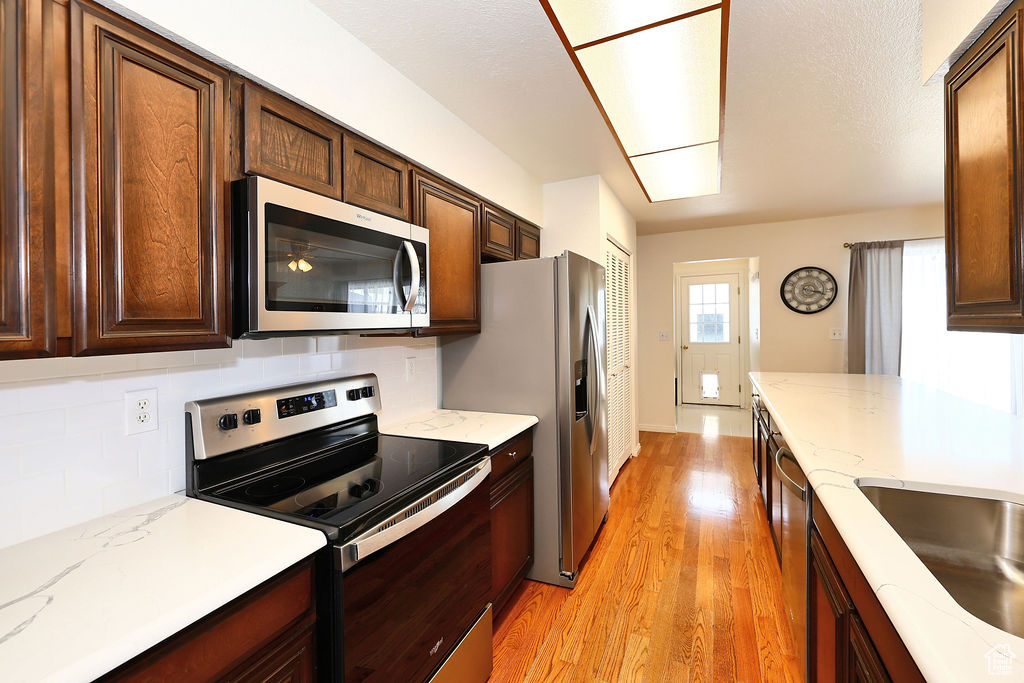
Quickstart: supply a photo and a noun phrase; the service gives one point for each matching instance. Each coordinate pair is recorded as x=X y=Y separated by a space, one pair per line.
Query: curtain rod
x=847 y=245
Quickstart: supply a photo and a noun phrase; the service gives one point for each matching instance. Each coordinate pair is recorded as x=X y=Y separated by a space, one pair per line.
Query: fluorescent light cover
x=661 y=87
x=584 y=22
x=679 y=173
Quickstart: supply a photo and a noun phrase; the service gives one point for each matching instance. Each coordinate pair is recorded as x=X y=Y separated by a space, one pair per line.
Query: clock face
x=808 y=290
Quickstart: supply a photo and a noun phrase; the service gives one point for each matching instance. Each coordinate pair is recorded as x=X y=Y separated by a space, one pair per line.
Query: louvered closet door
x=620 y=403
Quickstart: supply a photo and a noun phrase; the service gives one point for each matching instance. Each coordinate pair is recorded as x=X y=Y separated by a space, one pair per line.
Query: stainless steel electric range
x=404 y=582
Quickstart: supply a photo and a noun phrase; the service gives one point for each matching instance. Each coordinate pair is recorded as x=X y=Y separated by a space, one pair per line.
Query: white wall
x=64 y=456
x=788 y=341
x=949 y=27
x=754 y=314
x=295 y=48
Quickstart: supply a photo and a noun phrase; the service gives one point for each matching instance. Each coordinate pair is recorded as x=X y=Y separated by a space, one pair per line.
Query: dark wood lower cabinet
x=511 y=518
x=265 y=635
x=851 y=637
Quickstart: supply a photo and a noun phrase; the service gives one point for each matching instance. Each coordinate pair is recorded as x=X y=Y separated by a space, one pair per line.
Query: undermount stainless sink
x=973 y=546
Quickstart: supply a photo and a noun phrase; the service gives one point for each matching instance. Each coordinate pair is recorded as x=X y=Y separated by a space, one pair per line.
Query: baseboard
x=658 y=428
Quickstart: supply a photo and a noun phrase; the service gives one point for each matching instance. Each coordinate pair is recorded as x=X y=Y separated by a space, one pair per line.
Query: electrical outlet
x=410 y=369
x=837 y=333
x=140 y=411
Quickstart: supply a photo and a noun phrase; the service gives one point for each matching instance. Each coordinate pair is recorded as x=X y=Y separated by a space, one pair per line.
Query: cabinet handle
x=512 y=453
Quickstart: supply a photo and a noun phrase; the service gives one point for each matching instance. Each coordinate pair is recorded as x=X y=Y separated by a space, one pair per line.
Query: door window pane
x=709 y=313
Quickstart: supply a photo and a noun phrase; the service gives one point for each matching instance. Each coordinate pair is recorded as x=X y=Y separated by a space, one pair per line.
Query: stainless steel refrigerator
x=541 y=351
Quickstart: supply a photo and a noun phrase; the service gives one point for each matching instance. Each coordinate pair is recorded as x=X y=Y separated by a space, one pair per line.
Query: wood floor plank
x=681 y=584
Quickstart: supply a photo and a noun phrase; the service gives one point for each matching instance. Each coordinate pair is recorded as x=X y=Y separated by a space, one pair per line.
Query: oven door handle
x=417 y=514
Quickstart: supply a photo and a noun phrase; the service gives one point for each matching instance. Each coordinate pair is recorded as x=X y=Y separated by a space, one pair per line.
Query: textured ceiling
x=825 y=112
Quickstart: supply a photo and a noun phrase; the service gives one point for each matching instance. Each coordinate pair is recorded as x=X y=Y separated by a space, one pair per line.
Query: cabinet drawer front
x=527 y=240
x=286 y=142
x=498 y=234
x=152 y=244
x=511 y=453
x=226 y=639
x=376 y=179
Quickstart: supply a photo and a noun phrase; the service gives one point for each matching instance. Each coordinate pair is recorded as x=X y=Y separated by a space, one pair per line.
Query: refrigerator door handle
x=594 y=380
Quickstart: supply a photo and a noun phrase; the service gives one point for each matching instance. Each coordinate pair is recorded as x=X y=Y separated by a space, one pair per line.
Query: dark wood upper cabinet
x=983 y=182
x=150 y=191
x=527 y=240
x=376 y=179
x=30 y=77
x=453 y=219
x=498 y=235
x=287 y=142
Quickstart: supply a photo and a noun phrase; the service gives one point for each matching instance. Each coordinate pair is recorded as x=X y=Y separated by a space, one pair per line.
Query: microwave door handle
x=414 y=265
x=396 y=278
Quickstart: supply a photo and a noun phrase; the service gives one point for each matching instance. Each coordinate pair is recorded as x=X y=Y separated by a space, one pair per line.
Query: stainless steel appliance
x=307 y=263
x=405 y=580
x=793 y=540
x=542 y=352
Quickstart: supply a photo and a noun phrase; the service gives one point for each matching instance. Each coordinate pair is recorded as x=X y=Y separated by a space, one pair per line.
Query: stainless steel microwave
x=308 y=264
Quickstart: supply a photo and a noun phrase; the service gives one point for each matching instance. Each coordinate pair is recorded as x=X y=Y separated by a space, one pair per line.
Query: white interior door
x=709 y=339
x=618 y=332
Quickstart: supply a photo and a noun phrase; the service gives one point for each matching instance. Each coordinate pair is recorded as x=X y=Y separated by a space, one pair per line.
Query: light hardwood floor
x=682 y=583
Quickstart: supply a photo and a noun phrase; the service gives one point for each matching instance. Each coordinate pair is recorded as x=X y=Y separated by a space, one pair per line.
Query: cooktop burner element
x=274 y=488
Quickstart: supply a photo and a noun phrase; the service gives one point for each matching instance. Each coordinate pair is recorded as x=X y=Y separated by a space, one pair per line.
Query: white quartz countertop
x=842 y=428
x=466 y=426
x=80 y=602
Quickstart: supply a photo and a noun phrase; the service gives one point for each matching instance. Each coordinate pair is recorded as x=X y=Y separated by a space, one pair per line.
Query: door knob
x=685 y=347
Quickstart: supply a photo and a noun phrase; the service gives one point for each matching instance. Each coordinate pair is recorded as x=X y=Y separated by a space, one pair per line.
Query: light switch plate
x=837 y=333
x=664 y=335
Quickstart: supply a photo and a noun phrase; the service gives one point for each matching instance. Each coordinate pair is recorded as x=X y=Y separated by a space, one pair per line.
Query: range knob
x=251 y=416
x=229 y=421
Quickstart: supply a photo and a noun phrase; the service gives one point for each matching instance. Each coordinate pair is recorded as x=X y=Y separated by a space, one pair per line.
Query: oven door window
x=315 y=264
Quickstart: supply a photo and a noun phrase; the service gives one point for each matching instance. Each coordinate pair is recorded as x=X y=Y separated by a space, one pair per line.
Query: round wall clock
x=808 y=290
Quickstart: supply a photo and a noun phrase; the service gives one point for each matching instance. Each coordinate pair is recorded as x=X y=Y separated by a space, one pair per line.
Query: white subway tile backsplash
x=294 y=345
x=62 y=434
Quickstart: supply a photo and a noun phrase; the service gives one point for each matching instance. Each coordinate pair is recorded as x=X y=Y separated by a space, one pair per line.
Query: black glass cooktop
x=338 y=486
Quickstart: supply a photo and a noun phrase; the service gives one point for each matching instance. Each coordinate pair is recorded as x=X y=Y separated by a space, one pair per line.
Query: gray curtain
x=875 y=308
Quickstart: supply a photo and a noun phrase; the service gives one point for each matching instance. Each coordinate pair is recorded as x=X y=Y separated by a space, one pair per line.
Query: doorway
x=711 y=320
x=710 y=340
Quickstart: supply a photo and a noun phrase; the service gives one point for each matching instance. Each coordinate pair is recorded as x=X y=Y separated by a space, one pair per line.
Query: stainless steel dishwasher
x=792 y=492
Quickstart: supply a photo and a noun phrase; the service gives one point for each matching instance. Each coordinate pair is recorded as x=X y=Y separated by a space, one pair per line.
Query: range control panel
x=226 y=424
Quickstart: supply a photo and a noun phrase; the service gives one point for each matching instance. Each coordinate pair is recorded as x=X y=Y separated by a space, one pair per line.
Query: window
x=709 y=312
x=979 y=366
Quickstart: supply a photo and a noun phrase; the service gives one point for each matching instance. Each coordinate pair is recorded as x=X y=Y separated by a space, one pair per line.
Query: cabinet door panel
x=863 y=663
x=288 y=143
x=828 y=621
x=453 y=219
x=511 y=532
x=499 y=234
x=151 y=234
x=376 y=179
x=527 y=240
x=983 y=219
x=27 y=178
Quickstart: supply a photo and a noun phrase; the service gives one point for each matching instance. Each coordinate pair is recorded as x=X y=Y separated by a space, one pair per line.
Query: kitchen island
x=848 y=428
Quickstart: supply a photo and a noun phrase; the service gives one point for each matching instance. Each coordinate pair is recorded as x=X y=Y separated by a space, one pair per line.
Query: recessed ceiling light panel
x=679 y=173
x=585 y=22
x=661 y=87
